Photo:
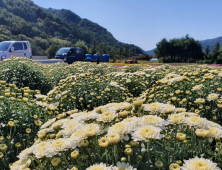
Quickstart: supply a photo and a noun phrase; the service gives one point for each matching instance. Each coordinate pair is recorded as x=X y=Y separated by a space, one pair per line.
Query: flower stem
x=65 y=159
x=129 y=159
x=148 y=150
x=107 y=159
x=115 y=153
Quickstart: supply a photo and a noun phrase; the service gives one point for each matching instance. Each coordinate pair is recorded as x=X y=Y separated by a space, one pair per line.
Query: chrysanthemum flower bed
x=24 y=72
x=88 y=90
x=20 y=119
x=197 y=89
x=140 y=133
x=133 y=134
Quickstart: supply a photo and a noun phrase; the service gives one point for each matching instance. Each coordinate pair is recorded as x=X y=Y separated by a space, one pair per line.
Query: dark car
x=70 y=54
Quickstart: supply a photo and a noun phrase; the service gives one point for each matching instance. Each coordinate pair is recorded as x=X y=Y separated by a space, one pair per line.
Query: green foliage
x=51 y=51
x=179 y=50
x=82 y=44
x=24 y=73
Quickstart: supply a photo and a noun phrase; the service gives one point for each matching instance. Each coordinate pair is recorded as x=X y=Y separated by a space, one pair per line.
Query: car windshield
x=4 y=46
x=63 y=51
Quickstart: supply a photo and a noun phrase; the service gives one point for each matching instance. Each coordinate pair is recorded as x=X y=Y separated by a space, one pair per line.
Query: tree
x=112 y=54
x=51 y=51
x=180 y=50
x=125 y=51
x=163 y=47
x=82 y=44
x=207 y=50
x=133 y=51
x=120 y=52
x=215 y=53
x=93 y=47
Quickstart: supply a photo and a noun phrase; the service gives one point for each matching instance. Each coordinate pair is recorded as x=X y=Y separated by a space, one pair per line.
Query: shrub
x=24 y=73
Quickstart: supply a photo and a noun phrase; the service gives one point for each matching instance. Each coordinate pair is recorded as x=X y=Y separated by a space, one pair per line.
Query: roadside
x=45 y=60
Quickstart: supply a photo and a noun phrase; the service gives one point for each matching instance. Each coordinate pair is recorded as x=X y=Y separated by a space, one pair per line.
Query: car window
x=62 y=51
x=25 y=46
x=4 y=46
x=72 y=52
x=78 y=51
x=18 y=46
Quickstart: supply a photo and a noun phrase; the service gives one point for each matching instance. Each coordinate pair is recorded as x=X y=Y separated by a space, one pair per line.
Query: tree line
x=187 y=49
x=121 y=53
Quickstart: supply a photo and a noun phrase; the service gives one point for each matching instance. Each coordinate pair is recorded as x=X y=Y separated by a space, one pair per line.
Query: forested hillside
x=23 y=20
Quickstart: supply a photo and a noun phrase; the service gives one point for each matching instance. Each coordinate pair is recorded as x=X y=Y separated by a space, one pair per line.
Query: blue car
x=70 y=54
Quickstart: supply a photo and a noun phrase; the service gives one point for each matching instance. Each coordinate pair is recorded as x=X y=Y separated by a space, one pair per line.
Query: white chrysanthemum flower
x=21 y=164
x=72 y=127
x=215 y=132
x=197 y=87
x=50 y=151
x=64 y=93
x=169 y=109
x=188 y=114
x=25 y=153
x=59 y=123
x=42 y=104
x=179 y=110
x=212 y=96
x=78 y=135
x=83 y=116
x=59 y=144
x=93 y=129
x=122 y=128
x=115 y=84
x=176 y=119
x=50 y=92
x=134 y=121
x=40 y=96
x=175 y=79
x=219 y=74
x=53 y=106
x=154 y=107
x=58 y=96
x=123 y=166
x=39 y=149
x=48 y=123
x=199 y=164
x=213 y=124
x=107 y=116
x=120 y=106
x=196 y=122
x=146 y=133
x=100 y=166
x=152 y=120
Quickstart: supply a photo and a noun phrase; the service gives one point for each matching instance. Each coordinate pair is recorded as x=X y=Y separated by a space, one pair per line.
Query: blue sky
x=145 y=22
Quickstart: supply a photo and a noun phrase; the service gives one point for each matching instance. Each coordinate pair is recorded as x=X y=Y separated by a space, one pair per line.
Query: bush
x=24 y=73
x=51 y=51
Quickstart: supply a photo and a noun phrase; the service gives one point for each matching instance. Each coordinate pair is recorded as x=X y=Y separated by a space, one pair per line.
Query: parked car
x=15 y=48
x=70 y=54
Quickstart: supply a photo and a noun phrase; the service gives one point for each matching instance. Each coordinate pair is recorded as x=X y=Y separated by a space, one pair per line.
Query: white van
x=16 y=49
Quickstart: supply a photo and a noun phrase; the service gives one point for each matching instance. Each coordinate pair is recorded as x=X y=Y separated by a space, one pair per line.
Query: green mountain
x=211 y=43
x=24 y=20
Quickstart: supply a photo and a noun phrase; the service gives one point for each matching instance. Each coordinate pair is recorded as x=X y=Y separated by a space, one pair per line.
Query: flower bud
x=123 y=159
x=159 y=164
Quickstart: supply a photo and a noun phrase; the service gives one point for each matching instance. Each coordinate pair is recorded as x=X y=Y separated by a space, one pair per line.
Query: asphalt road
x=45 y=60
x=48 y=61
